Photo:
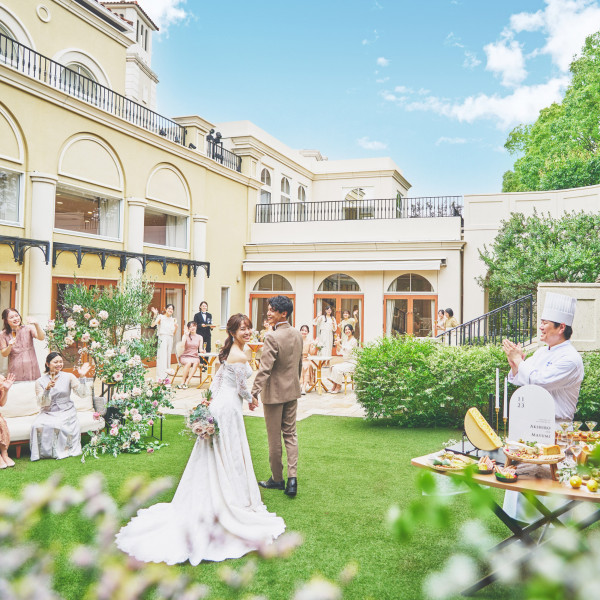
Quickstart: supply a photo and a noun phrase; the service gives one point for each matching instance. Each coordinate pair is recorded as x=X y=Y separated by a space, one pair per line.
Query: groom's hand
x=253 y=404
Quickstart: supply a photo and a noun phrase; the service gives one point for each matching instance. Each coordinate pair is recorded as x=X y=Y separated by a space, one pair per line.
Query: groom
x=278 y=383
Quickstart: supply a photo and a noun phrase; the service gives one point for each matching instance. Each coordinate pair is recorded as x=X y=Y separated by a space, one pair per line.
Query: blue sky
x=435 y=84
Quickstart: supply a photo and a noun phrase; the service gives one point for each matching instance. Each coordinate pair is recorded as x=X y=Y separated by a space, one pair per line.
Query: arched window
x=339 y=283
x=285 y=190
x=265 y=177
x=356 y=207
x=355 y=194
x=272 y=283
x=80 y=70
x=4 y=30
x=301 y=193
x=410 y=283
x=265 y=194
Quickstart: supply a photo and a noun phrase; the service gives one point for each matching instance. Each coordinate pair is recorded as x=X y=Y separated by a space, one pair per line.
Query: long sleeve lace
x=80 y=386
x=240 y=381
x=42 y=394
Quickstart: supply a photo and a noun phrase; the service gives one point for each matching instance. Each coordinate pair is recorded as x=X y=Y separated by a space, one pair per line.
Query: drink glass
x=576 y=449
x=576 y=425
x=591 y=425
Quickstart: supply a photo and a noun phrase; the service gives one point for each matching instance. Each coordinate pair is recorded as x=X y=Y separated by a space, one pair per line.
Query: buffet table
x=525 y=483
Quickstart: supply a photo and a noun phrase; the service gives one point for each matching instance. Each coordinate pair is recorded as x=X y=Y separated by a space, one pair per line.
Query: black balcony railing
x=225 y=157
x=359 y=210
x=514 y=321
x=36 y=65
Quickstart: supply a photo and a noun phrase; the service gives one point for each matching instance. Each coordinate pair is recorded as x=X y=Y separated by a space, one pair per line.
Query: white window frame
x=286 y=197
x=21 y=199
x=225 y=304
x=155 y=209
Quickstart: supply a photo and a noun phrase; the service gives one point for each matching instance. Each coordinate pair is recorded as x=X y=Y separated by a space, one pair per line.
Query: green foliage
x=588 y=407
x=560 y=150
x=419 y=383
x=528 y=250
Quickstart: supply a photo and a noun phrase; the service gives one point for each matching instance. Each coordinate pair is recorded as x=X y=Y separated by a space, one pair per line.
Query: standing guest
x=16 y=342
x=307 y=378
x=349 y=365
x=189 y=359
x=205 y=325
x=278 y=383
x=5 y=460
x=348 y=320
x=326 y=326
x=56 y=433
x=451 y=320
x=441 y=320
x=166 y=327
x=263 y=332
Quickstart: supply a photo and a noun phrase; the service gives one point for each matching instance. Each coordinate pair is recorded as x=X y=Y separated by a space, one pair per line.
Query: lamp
x=190 y=145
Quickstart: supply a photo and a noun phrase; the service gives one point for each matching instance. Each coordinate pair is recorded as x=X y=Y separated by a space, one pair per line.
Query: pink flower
x=114 y=431
x=150 y=450
x=150 y=422
x=136 y=391
x=123 y=350
x=85 y=337
x=71 y=324
x=96 y=416
x=135 y=435
x=87 y=316
x=103 y=315
x=94 y=323
x=136 y=418
x=118 y=376
x=155 y=403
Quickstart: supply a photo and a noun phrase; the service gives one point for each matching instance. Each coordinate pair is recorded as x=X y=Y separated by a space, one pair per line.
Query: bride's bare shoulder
x=236 y=356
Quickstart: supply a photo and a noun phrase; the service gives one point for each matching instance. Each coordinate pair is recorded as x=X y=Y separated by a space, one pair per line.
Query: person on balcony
x=16 y=342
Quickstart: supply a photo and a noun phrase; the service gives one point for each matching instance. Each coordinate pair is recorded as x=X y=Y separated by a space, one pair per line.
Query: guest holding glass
x=5 y=460
x=307 y=377
x=189 y=359
x=16 y=342
x=349 y=364
x=326 y=326
x=56 y=433
x=166 y=326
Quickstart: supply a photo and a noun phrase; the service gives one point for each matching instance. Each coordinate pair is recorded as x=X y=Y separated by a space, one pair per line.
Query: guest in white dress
x=349 y=364
x=166 y=326
x=326 y=326
x=56 y=433
x=217 y=512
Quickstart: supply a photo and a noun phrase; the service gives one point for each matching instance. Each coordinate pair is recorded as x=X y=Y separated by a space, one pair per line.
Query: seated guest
x=307 y=378
x=189 y=359
x=55 y=433
x=5 y=460
x=349 y=365
x=16 y=342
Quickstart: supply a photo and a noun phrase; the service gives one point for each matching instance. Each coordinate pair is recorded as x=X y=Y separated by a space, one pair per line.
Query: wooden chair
x=348 y=381
x=179 y=348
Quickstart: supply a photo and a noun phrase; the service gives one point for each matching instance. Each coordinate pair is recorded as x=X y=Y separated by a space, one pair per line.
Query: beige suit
x=278 y=383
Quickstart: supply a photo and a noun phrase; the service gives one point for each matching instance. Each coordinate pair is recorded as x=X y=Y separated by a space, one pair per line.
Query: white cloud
x=453 y=40
x=527 y=21
x=389 y=97
x=522 y=106
x=471 y=61
x=505 y=58
x=450 y=140
x=402 y=89
x=368 y=144
x=382 y=80
x=165 y=12
x=382 y=62
x=423 y=91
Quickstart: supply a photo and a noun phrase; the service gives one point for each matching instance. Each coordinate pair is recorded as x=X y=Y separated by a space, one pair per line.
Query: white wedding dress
x=217 y=512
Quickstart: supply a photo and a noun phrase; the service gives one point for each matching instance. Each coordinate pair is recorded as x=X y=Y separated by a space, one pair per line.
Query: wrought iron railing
x=225 y=157
x=514 y=321
x=359 y=210
x=25 y=60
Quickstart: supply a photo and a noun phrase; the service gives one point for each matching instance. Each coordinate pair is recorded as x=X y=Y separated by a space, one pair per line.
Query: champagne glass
x=576 y=449
x=564 y=426
x=591 y=425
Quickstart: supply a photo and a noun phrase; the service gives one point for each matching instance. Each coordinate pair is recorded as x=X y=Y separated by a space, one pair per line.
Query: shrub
x=588 y=407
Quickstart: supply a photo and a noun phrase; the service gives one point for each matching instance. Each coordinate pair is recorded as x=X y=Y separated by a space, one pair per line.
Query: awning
x=344 y=265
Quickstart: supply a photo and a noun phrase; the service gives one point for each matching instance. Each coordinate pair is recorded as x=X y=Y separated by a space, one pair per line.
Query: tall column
x=43 y=198
x=135 y=232
x=198 y=253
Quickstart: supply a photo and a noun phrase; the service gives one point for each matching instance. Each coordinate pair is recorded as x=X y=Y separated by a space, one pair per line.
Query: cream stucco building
x=94 y=183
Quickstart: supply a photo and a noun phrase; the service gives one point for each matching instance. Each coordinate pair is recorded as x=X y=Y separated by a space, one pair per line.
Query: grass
x=350 y=473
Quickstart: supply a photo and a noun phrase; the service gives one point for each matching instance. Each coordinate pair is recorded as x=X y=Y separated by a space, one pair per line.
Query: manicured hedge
x=420 y=383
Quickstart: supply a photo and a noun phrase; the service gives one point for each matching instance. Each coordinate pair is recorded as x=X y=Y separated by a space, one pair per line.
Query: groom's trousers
x=280 y=420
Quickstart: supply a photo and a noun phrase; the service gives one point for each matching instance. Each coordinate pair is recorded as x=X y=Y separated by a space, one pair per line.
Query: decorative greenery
x=537 y=248
x=588 y=407
x=560 y=150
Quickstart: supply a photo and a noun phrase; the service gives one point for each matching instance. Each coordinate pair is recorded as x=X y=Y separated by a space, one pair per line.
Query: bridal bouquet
x=200 y=422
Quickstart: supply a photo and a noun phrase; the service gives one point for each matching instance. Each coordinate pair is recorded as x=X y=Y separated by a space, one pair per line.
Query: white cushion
x=20 y=428
x=21 y=400
x=88 y=423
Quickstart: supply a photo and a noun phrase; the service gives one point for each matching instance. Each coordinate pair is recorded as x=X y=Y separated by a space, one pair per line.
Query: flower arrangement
x=200 y=421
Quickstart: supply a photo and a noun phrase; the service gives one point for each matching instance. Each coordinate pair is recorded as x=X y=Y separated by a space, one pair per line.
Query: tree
x=561 y=149
x=529 y=250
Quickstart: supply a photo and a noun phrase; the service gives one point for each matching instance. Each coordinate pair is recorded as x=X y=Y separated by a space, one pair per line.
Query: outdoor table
x=318 y=362
x=210 y=358
x=520 y=531
x=254 y=346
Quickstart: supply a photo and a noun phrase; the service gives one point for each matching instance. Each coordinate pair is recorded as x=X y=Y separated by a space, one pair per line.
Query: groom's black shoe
x=291 y=489
x=272 y=485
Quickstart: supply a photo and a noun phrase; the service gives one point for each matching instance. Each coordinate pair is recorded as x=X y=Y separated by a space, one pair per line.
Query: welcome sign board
x=531 y=415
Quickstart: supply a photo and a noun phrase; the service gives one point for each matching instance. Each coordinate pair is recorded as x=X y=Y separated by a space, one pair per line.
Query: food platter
x=449 y=461
x=540 y=459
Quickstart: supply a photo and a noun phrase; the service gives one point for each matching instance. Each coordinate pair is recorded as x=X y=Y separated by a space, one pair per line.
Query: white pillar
x=135 y=231
x=43 y=198
x=198 y=244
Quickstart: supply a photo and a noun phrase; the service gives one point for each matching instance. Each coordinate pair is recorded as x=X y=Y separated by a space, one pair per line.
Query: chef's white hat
x=559 y=308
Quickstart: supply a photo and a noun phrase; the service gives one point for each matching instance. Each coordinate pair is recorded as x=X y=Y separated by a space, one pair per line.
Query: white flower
x=71 y=323
x=95 y=345
x=134 y=411
x=136 y=418
x=114 y=431
x=123 y=350
x=118 y=376
x=94 y=323
x=85 y=337
x=125 y=445
x=69 y=340
x=50 y=326
x=110 y=353
x=135 y=435
x=149 y=393
x=136 y=391
x=103 y=315
x=318 y=589
x=77 y=308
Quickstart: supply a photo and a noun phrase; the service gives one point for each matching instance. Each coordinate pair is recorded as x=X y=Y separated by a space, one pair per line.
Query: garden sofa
x=21 y=408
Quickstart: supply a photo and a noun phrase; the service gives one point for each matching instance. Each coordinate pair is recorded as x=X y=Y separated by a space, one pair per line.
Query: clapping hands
x=6 y=382
x=514 y=353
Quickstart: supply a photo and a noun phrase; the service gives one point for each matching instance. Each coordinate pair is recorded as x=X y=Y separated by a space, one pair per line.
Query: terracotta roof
x=124 y=3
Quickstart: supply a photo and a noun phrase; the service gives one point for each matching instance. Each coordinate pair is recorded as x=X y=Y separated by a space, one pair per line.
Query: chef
x=557 y=367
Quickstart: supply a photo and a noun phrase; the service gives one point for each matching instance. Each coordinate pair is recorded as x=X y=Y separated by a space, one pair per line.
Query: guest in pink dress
x=189 y=359
x=16 y=342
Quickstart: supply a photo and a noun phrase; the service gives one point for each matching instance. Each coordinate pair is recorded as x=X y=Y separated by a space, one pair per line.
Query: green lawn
x=350 y=473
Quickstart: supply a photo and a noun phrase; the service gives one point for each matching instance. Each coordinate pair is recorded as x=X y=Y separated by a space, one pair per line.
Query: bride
x=217 y=512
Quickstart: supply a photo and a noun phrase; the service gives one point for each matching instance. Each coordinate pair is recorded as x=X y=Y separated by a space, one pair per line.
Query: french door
x=259 y=304
x=413 y=315
x=353 y=303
